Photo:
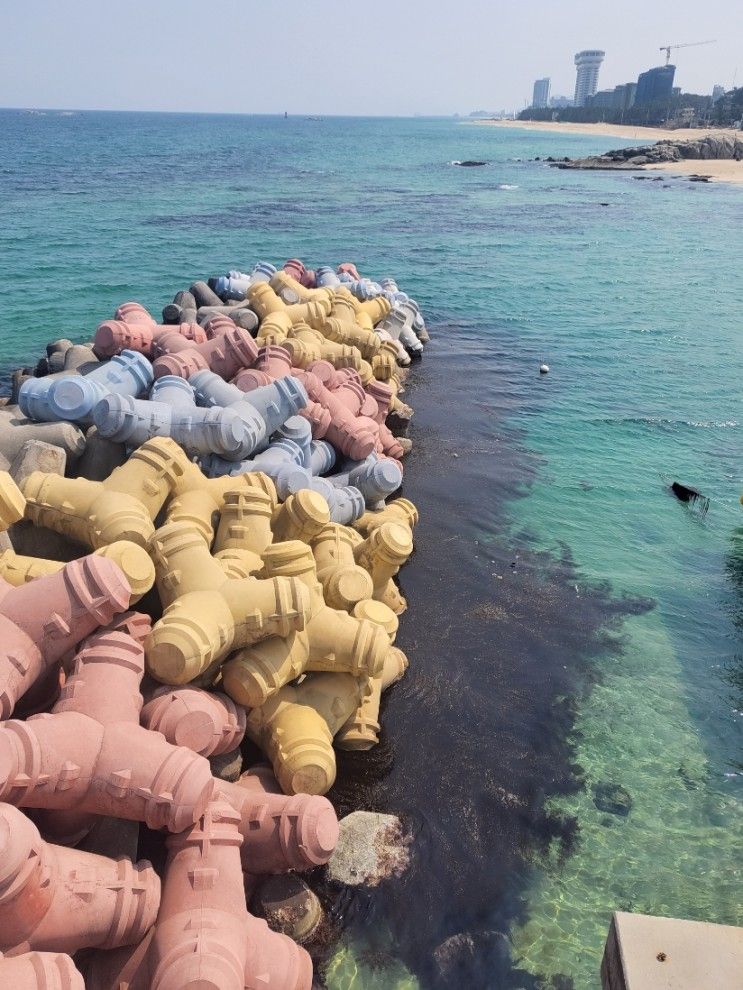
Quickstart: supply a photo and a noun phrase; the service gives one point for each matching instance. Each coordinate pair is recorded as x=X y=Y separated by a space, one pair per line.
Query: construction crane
x=689 y=44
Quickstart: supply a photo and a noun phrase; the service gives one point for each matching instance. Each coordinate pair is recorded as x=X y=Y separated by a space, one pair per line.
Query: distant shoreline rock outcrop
x=726 y=147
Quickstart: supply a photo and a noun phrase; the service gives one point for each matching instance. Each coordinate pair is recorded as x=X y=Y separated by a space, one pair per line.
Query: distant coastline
x=720 y=171
x=630 y=132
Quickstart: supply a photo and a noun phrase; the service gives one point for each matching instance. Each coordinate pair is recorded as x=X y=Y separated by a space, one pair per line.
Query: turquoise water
x=630 y=290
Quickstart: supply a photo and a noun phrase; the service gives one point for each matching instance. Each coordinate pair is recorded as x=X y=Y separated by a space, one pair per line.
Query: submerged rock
x=612 y=798
x=469 y=164
x=371 y=847
x=471 y=958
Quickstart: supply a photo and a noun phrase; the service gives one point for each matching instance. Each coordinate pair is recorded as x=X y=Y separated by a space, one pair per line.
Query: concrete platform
x=647 y=953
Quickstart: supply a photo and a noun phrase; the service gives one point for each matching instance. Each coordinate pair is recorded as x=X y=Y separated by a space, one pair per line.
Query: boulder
x=371 y=847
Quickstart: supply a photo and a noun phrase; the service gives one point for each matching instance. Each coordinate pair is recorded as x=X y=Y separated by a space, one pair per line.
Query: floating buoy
x=543 y=369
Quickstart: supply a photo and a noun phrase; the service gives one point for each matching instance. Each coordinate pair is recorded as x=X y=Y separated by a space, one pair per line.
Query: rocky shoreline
x=714 y=147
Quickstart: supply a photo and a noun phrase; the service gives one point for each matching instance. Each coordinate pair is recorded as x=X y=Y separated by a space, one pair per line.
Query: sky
x=389 y=57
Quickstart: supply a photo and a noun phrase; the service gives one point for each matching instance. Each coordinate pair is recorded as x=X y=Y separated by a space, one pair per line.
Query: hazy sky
x=316 y=56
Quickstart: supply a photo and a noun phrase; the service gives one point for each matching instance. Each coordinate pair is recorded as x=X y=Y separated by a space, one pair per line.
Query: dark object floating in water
x=603 y=204
x=469 y=163
x=690 y=495
x=698 y=178
x=612 y=798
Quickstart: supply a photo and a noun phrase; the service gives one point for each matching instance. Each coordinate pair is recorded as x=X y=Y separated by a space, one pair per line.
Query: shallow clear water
x=573 y=628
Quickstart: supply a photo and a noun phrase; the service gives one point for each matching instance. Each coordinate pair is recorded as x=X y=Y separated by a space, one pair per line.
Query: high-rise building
x=587 y=63
x=602 y=100
x=717 y=93
x=624 y=96
x=541 y=97
x=655 y=84
x=560 y=102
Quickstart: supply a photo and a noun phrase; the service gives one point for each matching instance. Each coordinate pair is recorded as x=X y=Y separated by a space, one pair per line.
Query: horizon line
x=239 y=113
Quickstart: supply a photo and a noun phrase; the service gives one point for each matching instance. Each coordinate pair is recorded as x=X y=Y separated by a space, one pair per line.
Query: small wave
x=664 y=423
x=506 y=185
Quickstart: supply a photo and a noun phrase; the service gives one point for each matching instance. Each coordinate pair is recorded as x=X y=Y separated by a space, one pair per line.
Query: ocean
x=567 y=741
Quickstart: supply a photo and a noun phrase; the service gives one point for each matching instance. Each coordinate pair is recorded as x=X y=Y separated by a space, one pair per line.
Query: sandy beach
x=627 y=133
x=718 y=171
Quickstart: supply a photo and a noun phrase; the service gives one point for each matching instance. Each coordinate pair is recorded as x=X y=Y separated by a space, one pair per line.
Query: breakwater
x=199 y=550
x=557 y=475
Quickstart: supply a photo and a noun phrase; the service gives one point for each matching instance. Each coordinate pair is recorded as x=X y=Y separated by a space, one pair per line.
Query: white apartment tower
x=587 y=64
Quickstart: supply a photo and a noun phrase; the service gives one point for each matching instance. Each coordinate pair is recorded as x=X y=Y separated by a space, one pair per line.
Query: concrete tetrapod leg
x=265 y=302
x=206 y=722
x=333 y=640
x=245 y=522
x=401 y=510
x=274 y=361
x=12 y=502
x=134 y=562
x=120 y=508
x=114 y=336
x=41 y=621
x=361 y=731
x=289 y=906
x=375 y=477
x=183 y=302
x=337 y=641
x=308 y=346
x=171 y=411
x=204 y=938
x=100 y=458
x=295 y=729
x=60 y=900
x=344 y=583
x=273 y=404
x=354 y=436
x=253 y=674
x=297 y=428
x=200 y=501
x=225 y=355
x=35 y=455
x=91 y=754
x=72 y=397
x=380 y=614
x=280 y=832
x=15 y=430
x=288 y=286
x=348 y=332
x=382 y=554
x=301 y=517
x=208 y=615
x=40 y=971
